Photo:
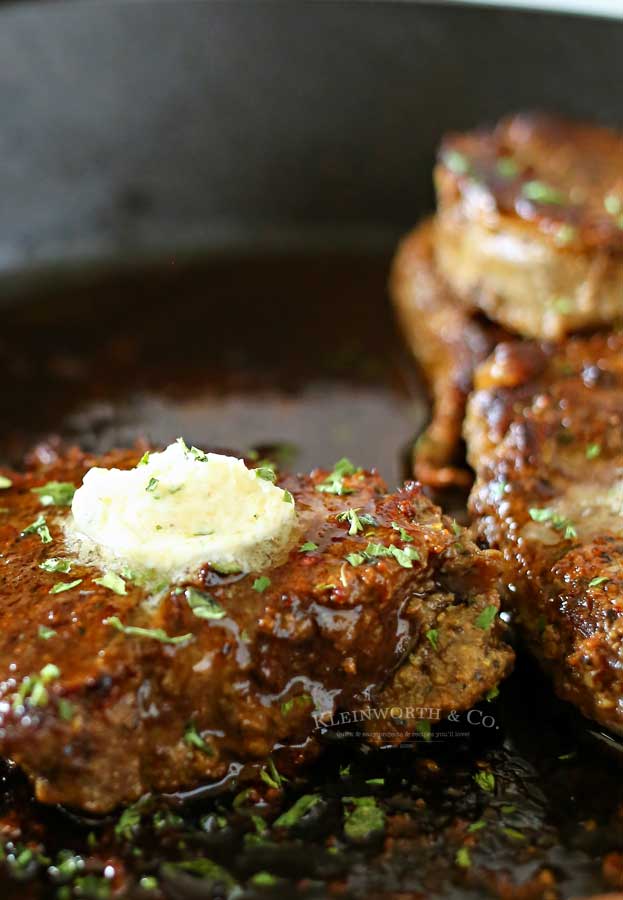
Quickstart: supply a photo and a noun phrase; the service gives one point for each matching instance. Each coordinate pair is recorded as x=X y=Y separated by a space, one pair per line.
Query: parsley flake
x=55 y=493
x=39 y=526
x=355 y=559
x=203 y=605
x=365 y=819
x=288 y=498
x=595 y=582
x=113 y=582
x=404 y=535
x=456 y=162
x=593 y=451
x=296 y=812
x=156 y=634
x=266 y=473
x=260 y=584
x=540 y=192
x=194 y=739
x=462 y=858
x=334 y=482
x=486 y=618
x=485 y=780
x=558 y=522
x=507 y=167
x=308 y=547
x=152 y=484
x=432 y=635
x=55 y=564
x=46 y=633
x=355 y=520
x=62 y=586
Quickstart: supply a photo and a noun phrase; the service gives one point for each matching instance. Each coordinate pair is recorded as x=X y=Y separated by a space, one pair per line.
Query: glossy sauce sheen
x=552 y=821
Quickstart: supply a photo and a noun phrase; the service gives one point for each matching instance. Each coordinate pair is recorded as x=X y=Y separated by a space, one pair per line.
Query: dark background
x=128 y=128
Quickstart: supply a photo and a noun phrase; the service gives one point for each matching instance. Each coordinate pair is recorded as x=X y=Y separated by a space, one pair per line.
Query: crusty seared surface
x=545 y=434
x=322 y=632
x=448 y=339
x=530 y=223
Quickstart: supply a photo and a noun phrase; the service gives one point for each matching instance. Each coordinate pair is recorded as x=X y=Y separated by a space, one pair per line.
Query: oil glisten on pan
x=254 y=641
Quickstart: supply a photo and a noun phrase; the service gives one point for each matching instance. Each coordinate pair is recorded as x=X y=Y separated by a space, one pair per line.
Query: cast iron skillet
x=199 y=202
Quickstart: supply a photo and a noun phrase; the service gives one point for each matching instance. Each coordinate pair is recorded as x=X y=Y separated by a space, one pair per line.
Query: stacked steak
x=511 y=299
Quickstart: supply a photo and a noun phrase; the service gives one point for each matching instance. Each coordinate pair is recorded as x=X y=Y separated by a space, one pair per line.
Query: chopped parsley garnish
x=266 y=473
x=56 y=493
x=462 y=858
x=423 y=726
x=288 y=498
x=334 y=482
x=377 y=550
x=65 y=709
x=486 y=618
x=152 y=484
x=365 y=819
x=492 y=693
x=194 y=739
x=476 y=826
x=404 y=557
x=560 y=523
x=296 y=812
x=507 y=167
x=5 y=483
x=129 y=821
x=271 y=775
x=540 y=192
x=308 y=547
x=260 y=584
x=113 y=582
x=204 y=606
x=565 y=234
x=144 y=459
x=33 y=687
x=485 y=780
x=39 y=526
x=513 y=834
x=46 y=633
x=356 y=520
x=288 y=705
x=355 y=559
x=404 y=535
x=432 y=635
x=226 y=568
x=499 y=488
x=156 y=634
x=595 y=582
x=62 y=586
x=54 y=564
x=456 y=162
x=593 y=451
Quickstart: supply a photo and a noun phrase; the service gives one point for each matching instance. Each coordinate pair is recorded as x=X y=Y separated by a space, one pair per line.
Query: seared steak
x=106 y=695
x=544 y=432
x=530 y=223
x=448 y=339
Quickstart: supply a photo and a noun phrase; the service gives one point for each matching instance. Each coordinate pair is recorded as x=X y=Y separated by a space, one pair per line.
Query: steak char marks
x=224 y=670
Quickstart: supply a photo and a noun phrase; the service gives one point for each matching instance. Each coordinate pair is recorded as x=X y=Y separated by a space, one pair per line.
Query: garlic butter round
x=180 y=509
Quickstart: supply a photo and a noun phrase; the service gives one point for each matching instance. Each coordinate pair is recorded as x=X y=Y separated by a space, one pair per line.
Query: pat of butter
x=180 y=509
